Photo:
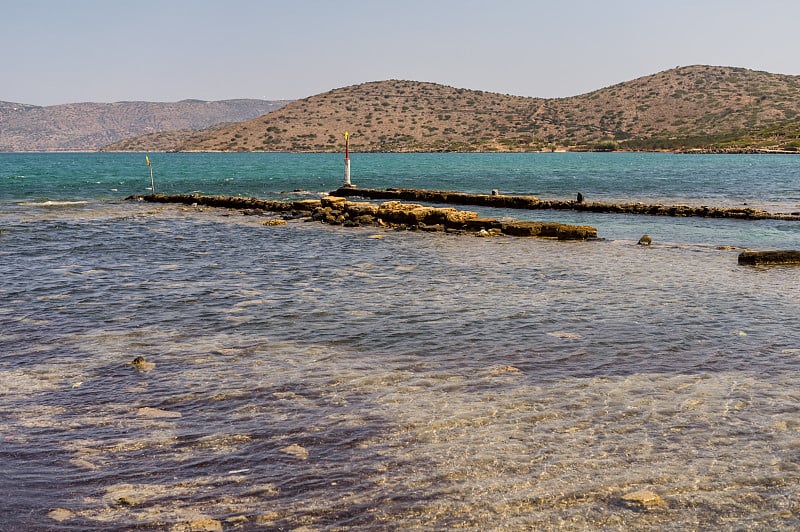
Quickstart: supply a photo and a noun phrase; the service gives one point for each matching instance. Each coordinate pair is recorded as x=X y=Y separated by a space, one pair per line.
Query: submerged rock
x=645 y=240
x=564 y=335
x=295 y=450
x=149 y=412
x=83 y=464
x=61 y=514
x=642 y=500
x=504 y=370
x=201 y=524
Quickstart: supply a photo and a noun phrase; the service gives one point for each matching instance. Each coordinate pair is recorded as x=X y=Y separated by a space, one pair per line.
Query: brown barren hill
x=90 y=126
x=696 y=107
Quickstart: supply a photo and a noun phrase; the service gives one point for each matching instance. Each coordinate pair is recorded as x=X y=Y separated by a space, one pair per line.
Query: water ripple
x=308 y=375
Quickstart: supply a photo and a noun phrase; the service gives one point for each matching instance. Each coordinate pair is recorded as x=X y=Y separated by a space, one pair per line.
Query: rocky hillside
x=688 y=107
x=90 y=126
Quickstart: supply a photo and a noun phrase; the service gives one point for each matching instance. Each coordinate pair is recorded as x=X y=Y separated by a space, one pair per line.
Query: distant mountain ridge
x=693 y=107
x=90 y=126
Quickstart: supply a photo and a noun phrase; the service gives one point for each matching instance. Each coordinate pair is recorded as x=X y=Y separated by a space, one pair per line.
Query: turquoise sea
x=316 y=377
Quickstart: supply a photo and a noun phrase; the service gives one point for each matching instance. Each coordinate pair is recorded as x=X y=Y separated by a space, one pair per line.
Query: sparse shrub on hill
x=694 y=107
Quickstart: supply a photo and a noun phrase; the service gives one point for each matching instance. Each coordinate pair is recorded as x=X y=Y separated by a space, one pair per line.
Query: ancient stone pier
x=534 y=203
x=341 y=211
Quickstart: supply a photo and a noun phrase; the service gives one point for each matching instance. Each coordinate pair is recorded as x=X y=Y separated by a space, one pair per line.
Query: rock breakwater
x=777 y=257
x=338 y=210
x=534 y=203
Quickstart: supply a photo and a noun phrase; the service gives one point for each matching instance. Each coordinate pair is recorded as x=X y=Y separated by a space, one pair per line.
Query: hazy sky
x=62 y=51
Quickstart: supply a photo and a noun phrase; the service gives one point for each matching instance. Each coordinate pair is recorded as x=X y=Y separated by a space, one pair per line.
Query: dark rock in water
x=645 y=240
x=142 y=365
x=435 y=228
x=365 y=219
x=495 y=192
x=770 y=257
x=579 y=199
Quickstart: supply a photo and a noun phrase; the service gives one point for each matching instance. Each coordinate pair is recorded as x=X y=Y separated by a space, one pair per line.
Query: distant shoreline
x=699 y=151
x=709 y=151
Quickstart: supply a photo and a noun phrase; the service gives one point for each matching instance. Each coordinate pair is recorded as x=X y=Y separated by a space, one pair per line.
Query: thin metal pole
x=347 y=159
x=150 y=165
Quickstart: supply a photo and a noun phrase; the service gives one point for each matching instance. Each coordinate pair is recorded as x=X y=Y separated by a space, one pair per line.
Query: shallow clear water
x=309 y=375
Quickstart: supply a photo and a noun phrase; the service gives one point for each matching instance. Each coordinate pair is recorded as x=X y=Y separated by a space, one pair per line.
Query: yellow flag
x=147 y=160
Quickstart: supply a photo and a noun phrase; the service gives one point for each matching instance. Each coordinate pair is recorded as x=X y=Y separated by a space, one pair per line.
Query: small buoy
x=645 y=240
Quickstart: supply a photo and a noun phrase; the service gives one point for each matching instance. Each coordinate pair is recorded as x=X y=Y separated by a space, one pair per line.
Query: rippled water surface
x=344 y=378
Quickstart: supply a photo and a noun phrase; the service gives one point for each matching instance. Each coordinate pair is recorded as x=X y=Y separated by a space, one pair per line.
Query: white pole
x=347 y=160
x=150 y=166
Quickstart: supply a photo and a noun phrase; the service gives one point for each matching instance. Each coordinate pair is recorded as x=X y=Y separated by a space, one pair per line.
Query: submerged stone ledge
x=777 y=257
x=338 y=210
x=231 y=202
x=534 y=203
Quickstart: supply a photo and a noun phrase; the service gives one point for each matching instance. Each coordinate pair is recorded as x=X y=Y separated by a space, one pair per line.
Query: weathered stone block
x=333 y=202
x=361 y=208
x=770 y=257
